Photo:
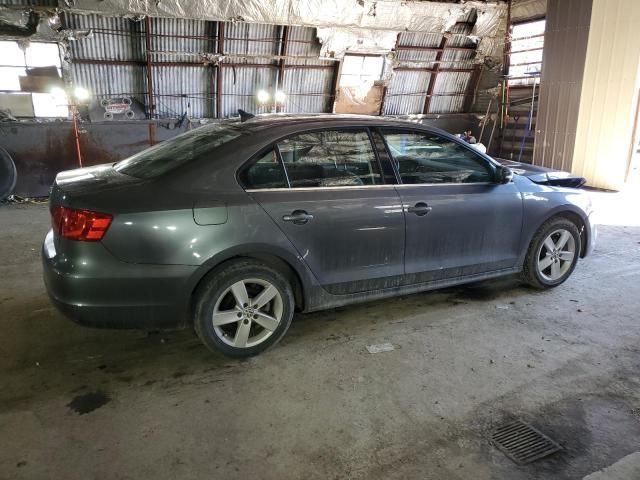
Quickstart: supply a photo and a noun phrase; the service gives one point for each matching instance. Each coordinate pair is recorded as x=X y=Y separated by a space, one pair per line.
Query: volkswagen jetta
x=233 y=226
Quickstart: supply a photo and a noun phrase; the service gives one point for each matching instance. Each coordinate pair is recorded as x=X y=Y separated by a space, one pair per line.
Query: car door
x=325 y=190
x=459 y=221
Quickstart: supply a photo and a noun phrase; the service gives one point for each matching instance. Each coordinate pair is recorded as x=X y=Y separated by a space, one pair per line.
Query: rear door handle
x=420 y=209
x=298 y=217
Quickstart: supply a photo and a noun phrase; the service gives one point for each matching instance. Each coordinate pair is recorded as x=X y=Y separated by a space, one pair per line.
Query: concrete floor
x=319 y=406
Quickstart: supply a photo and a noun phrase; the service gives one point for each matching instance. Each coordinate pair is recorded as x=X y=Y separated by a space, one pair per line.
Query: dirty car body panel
x=172 y=228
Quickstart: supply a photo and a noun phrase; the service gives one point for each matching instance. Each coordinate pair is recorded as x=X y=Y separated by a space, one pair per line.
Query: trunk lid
x=87 y=188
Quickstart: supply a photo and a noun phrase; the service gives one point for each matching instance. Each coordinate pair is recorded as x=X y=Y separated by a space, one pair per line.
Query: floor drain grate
x=522 y=443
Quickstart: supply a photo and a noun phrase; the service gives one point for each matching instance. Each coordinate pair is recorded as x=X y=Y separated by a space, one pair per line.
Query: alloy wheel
x=556 y=255
x=247 y=313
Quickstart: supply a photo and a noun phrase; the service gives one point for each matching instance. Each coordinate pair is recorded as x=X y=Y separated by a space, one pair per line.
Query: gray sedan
x=232 y=227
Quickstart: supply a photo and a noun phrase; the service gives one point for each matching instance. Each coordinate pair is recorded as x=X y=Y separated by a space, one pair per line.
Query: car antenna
x=244 y=116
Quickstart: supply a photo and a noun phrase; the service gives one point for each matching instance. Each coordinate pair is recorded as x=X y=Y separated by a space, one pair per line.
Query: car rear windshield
x=179 y=150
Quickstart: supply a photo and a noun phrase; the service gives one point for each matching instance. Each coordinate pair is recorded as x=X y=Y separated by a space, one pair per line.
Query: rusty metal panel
x=105 y=80
x=239 y=88
x=308 y=90
x=406 y=92
x=421 y=56
x=112 y=38
x=184 y=89
x=420 y=39
x=106 y=142
x=181 y=40
x=303 y=42
x=457 y=59
x=252 y=40
x=565 y=46
x=448 y=83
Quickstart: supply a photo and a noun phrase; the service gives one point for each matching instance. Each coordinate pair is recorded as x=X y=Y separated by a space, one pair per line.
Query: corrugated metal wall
x=565 y=47
x=111 y=62
x=434 y=71
x=190 y=60
x=307 y=80
x=609 y=96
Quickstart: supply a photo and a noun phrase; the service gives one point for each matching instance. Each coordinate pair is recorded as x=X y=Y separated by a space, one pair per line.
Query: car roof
x=286 y=120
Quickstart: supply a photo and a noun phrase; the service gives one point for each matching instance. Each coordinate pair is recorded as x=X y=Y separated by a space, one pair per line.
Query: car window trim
x=379 y=160
x=274 y=144
x=381 y=131
x=255 y=159
x=342 y=187
x=388 y=158
x=276 y=147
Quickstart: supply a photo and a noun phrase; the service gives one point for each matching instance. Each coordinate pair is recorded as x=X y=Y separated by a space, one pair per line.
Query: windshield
x=179 y=150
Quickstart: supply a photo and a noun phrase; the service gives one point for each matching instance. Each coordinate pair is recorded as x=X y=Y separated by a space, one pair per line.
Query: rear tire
x=553 y=253
x=243 y=309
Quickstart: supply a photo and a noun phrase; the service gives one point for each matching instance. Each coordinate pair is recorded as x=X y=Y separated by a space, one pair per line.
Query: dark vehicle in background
x=232 y=227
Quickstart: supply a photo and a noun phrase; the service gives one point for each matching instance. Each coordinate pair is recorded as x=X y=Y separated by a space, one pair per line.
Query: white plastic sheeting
x=338 y=41
x=526 y=9
x=345 y=24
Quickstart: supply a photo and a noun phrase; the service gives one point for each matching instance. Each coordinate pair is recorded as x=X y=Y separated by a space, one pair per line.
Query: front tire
x=243 y=309
x=553 y=254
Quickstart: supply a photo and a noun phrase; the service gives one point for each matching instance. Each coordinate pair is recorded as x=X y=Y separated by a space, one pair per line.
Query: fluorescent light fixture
x=280 y=96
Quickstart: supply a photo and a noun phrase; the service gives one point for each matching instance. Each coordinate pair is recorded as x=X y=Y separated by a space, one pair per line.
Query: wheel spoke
x=549 y=244
x=555 y=270
x=564 y=238
x=226 y=317
x=545 y=262
x=242 y=334
x=266 y=321
x=239 y=290
x=566 y=256
x=265 y=297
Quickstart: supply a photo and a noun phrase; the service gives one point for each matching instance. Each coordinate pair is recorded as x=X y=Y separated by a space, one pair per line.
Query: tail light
x=81 y=225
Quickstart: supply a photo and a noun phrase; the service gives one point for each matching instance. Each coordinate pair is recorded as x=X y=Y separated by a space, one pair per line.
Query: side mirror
x=503 y=175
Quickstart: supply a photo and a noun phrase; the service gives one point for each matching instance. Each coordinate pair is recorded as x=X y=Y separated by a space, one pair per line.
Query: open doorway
x=360 y=89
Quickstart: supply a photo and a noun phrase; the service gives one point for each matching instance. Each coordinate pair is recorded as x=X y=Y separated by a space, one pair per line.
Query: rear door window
x=266 y=172
x=430 y=158
x=330 y=158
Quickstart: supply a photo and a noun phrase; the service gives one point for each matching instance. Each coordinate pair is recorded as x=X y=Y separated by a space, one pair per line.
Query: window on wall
x=360 y=71
x=525 y=60
x=14 y=62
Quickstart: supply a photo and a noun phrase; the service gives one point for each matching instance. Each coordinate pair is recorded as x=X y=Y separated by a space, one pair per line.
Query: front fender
x=543 y=203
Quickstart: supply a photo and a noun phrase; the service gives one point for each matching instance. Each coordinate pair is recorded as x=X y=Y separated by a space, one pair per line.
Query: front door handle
x=298 y=217
x=420 y=209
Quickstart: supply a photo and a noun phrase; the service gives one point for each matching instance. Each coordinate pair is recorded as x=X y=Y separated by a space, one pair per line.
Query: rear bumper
x=93 y=288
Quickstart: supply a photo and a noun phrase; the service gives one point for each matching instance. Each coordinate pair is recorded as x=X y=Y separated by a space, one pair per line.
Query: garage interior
x=551 y=83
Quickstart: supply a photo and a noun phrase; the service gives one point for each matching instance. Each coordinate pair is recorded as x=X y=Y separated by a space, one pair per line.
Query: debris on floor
x=380 y=347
